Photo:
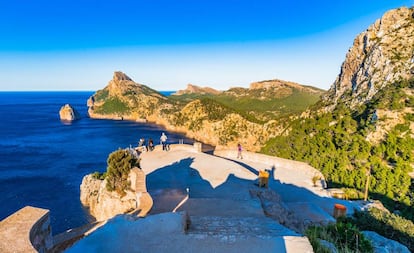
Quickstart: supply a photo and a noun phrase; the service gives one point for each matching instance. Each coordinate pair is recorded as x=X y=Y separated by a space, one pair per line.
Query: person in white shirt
x=163 y=140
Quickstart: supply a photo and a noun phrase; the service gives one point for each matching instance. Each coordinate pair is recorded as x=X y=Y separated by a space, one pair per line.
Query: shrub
x=315 y=179
x=352 y=193
x=345 y=235
x=120 y=163
x=99 y=175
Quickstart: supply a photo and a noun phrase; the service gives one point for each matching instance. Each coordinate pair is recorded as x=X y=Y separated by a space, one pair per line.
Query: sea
x=43 y=160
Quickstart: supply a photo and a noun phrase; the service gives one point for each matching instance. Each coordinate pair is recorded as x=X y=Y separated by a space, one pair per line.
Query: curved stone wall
x=27 y=230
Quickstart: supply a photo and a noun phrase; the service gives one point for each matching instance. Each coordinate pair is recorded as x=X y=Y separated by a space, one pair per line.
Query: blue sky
x=77 y=45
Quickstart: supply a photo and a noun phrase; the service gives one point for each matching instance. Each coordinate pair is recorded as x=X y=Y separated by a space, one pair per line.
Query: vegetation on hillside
x=343 y=234
x=260 y=105
x=113 y=105
x=335 y=143
x=120 y=163
x=389 y=225
x=346 y=236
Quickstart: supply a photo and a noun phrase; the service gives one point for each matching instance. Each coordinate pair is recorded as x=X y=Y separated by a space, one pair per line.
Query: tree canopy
x=120 y=163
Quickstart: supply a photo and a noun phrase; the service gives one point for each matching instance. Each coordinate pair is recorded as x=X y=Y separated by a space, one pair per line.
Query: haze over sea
x=42 y=160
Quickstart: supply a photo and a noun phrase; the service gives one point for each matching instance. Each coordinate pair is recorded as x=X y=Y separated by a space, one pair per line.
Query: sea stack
x=67 y=113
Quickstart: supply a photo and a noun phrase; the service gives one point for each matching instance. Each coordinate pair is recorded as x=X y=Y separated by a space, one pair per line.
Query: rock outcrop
x=273 y=89
x=123 y=98
x=380 y=56
x=384 y=245
x=68 y=113
x=104 y=204
x=281 y=85
x=196 y=89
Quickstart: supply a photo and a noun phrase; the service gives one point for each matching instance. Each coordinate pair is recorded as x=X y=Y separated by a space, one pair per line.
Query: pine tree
x=120 y=163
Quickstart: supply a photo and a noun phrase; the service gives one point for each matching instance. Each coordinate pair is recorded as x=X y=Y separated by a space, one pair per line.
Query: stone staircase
x=237 y=227
x=230 y=218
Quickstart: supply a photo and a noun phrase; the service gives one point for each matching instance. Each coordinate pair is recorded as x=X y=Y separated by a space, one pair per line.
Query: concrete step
x=237 y=227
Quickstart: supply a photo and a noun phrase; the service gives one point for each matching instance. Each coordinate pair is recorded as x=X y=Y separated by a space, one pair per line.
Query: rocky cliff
x=380 y=56
x=377 y=76
x=123 y=98
x=104 y=204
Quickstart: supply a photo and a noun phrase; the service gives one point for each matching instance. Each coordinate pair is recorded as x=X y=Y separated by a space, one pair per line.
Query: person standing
x=239 y=151
x=142 y=145
x=150 y=144
x=163 y=140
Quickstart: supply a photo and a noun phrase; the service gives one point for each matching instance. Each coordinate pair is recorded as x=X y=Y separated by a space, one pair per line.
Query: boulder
x=384 y=245
x=67 y=113
x=329 y=246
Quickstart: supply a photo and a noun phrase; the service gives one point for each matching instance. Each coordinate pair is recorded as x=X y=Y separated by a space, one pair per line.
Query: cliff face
x=208 y=122
x=377 y=76
x=104 y=204
x=380 y=56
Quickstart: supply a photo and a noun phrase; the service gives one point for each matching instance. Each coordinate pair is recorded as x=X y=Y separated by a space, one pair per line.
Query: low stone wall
x=196 y=147
x=27 y=230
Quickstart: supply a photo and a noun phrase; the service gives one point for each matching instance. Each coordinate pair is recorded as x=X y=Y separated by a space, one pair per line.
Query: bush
x=99 y=175
x=315 y=179
x=353 y=194
x=120 y=163
x=345 y=235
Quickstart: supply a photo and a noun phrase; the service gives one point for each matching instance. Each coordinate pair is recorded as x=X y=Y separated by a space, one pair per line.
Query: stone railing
x=27 y=230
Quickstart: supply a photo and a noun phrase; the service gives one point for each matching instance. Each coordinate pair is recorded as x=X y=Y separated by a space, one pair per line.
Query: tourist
x=163 y=140
x=239 y=151
x=150 y=144
x=141 y=145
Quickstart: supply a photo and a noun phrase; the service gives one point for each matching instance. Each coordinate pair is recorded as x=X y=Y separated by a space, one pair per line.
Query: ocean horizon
x=43 y=160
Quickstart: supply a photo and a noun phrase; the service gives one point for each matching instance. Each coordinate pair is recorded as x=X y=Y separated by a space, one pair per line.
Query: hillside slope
x=264 y=100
